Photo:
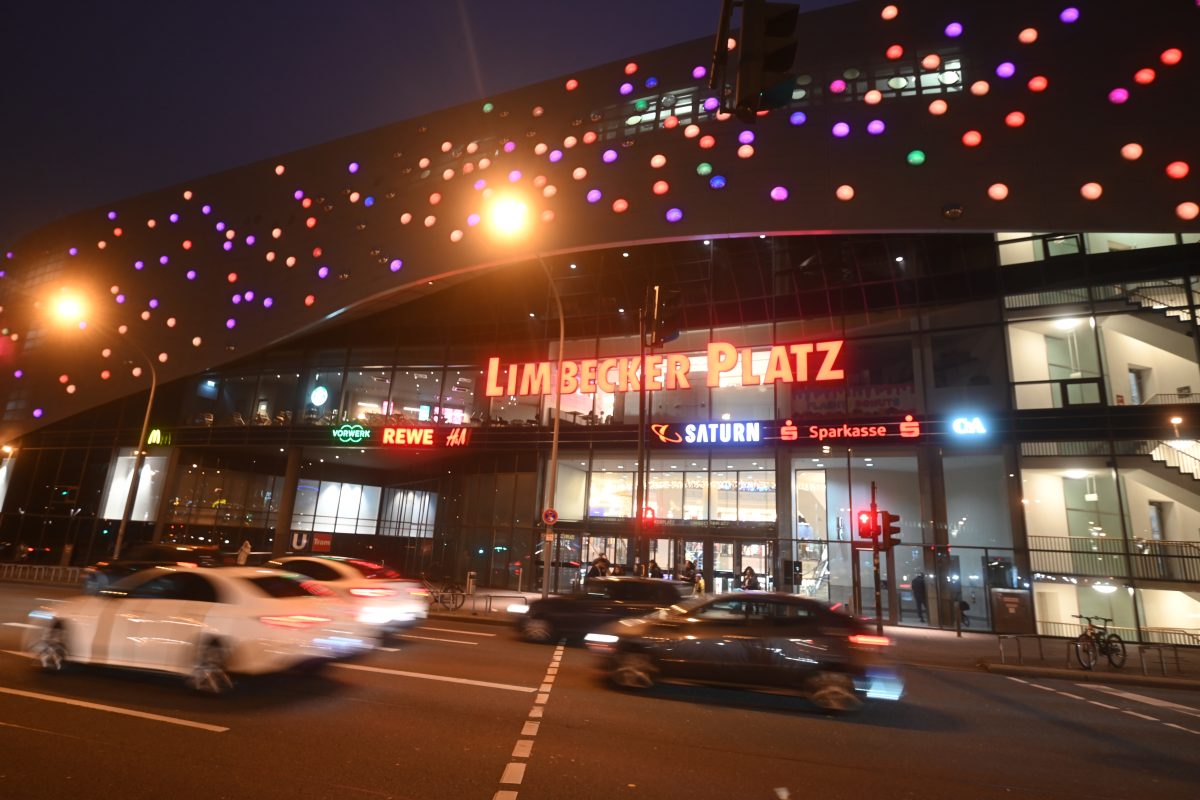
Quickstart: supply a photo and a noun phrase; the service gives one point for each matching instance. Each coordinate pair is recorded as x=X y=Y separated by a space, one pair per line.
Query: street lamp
x=508 y=217
x=70 y=309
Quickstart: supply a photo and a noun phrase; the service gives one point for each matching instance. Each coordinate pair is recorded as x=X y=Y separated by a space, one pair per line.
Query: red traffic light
x=647 y=516
x=868 y=527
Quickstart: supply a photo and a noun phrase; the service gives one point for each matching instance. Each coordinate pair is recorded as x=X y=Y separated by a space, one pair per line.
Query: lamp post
x=140 y=457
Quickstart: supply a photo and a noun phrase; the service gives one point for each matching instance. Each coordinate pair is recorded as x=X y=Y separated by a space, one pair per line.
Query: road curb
x=469 y=617
x=1084 y=676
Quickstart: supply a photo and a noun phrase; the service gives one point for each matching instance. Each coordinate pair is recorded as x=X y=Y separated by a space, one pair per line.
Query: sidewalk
x=924 y=647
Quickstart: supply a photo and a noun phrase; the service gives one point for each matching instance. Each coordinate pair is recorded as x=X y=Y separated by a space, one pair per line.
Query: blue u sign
x=968 y=426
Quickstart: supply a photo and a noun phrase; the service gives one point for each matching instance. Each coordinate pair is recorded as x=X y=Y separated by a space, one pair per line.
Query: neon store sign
x=796 y=363
x=411 y=437
x=758 y=432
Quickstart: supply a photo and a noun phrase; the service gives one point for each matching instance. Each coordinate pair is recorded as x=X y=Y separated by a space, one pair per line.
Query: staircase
x=1181 y=455
x=1169 y=298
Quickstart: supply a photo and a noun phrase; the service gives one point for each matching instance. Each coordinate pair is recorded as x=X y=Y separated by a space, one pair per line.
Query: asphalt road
x=462 y=710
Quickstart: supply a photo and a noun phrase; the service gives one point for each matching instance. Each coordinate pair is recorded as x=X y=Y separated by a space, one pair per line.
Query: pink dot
x=1091 y=191
x=1118 y=96
x=1187 y=211
x=1178 y=170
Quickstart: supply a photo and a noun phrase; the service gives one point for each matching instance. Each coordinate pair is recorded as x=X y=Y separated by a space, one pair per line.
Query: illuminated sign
x=796 y=363
x=156 y=436
x=709 y=433
x=972 y=426
x=351 y=433
x=319 y=396
x=400 y=436
x=906 y=429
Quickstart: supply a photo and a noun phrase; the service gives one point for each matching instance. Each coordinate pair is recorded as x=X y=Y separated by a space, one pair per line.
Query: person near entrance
x=688 y=573
x=599 y=567
x=654 y=569
x=918 y=591
x=750 y=580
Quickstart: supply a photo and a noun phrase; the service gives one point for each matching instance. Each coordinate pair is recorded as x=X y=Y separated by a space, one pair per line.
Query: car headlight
x=602 y=638
x=518 y=608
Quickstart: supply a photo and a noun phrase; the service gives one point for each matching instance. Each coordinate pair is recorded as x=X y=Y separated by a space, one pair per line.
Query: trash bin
x=470 y=583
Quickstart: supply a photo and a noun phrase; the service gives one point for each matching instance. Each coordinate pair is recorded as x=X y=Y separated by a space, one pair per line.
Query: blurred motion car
x=381 y=596
x=144 y=556
x=602 y=601
x=755 y=640
x=205 y=625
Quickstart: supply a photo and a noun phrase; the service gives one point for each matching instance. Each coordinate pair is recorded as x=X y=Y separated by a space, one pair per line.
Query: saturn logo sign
x=664 y=434
x=965 y=426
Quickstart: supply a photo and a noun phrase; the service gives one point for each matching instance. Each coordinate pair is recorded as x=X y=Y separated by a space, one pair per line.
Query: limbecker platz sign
x=412 y=437
x=794 y=363
x=720 y=433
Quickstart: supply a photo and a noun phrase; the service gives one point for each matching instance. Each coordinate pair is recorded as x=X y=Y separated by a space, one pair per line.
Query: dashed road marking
x=1139 y=716
x=514 y=771
x=1146 y=699
x=523 y=749
x=1131 y=696
x=128 y=712
x=453 y=630
x=530 y=729
x=435 y=639
x=1102 y=705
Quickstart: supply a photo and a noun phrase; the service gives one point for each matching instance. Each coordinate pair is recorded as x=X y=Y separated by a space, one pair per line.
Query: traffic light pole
x=875 y=564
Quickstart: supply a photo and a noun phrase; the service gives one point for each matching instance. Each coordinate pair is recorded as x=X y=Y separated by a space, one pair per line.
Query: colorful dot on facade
x=1171 y=57
x=1015 y=119
x=1144 y=77
x=1118 y=96
x=953 y=30
x=972 y=138
x=779 y=194
x=915 y=158
x=1091 y=191
x=620 y=205
x=845 y=193
x=1178 y=170
x=1131 y=152
x=998 y=191
x=674 y=215
x=1038 y=83
x=1187 y=211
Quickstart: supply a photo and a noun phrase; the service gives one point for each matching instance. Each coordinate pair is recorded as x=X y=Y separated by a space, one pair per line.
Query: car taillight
x=372 y=592
x=870 y=640
x=419 y=592
x=294 y=621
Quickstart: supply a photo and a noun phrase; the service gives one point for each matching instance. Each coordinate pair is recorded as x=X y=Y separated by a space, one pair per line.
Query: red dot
x=1178 y=170
x=894 y=52
x=572 y=85
x=631 y=68
x=1172 y=56
x=972 y=138
x=1144 y=76
x=311 y=222
x=308 y=301
x=317 y=252
x=1038 y=83
x=1015 y=119
x=231 y=277
x=620 y=205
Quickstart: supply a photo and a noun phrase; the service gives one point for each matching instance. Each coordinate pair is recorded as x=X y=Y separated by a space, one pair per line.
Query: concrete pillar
x=170 y=478
x=939 y=590
x=287 y=503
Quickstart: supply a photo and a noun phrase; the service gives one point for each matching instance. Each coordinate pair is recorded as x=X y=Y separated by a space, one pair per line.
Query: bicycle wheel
x=454 y=597
x=1114 y=648
x=1085 y=651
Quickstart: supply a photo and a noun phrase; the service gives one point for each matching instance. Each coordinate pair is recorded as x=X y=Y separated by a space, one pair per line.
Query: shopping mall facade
x=998 y=339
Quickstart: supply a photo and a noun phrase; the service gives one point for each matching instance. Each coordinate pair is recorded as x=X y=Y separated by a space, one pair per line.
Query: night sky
x=107 y=100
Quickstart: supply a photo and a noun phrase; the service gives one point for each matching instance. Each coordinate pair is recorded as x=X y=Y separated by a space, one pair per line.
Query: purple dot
x=555 y=156
x=268 y=302
x=18 y=373
x=838 y=86
x=699 y=72
x=153 y=303
x=139 y=264
x=779 y=194
x=191 y=274
x=609 y=156
x=397 y=263
x=228 y=246
x=841 y=130
x=206 y=209
x=250 y=239
x=174 y=217
x=298 y=194
x=472 y=220
x=876 y=127
x=163 y=260
x=674 y=215
x=1069 y=14
x=1118 y=96
x=229 y=323
x=594 y=195
x=220 y=226
x=352 y=167
x=798 y=118
x=112 y=215
x=626 y=88
x=9 y=255
x=1006 y=69
x=237 y=298
x=480 y=185
x=323 y=272
x=746 y=137
x=510 y=146
x=37 y=413
x=514 y=176
x=74 y=251
x=954 y=30
x=120 y=298
x=249 y=296
x=712 y=104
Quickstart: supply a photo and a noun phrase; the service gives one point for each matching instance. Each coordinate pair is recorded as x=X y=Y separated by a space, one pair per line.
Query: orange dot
x=1015 y=119
x=746 y=151
x=998 y=191
x=873 y=97
x=938 y=108
x=1144 y=76
x=1187 y=211
x=279 y=169
x=117 y=231
x=1028 y=36
x=661 y=187
x=670 y=122
x=187 y=244
x=631 y=68
x=707 y=142
x=889 y=12
x=980 y=88
x=311 y=222
x=931 y=61
x=231 y=277
x=845 y=193
x=1172 y=56
x=1038 y=83
x=308 y=301
x=620 y=205
x=1178 y=170
x=572 y=85
x=894 y=52
x=1091 y=191
x=972 y=138
x=1131 y=151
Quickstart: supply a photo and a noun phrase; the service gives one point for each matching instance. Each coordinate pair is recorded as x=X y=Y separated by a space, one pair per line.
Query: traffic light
x=868 y=524
x=766 y=53
x=663 y=315
x=648 y=517
x=890 y=528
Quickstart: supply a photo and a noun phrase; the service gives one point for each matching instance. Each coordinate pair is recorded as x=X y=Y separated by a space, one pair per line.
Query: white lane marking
x=552 y=670
x=523 y=749
x=535 y=712
x=1139 y=716
x=436 y=639
x=128 y=712
x=530 y=729
x=1146 y=699
x=514 y=772
x=545 y=687
x=453 y=630
x=1043 y=688
x=549 y=678
x=1102 y=705
x=1018 y=680
x=1072 y=696
x=388 y=649
x=1180 y=727
x=542 y=698
x=20 y=625
x=444 y=678
x=504 y=794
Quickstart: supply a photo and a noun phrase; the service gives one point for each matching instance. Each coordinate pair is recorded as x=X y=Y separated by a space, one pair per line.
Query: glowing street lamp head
x=508 y=216
x=69 y=309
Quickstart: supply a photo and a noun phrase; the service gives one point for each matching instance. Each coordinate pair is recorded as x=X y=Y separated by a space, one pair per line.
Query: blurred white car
x=206 y=625
x=383 y=598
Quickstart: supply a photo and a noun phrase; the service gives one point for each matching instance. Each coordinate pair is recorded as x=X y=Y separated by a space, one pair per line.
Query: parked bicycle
x=1096 y=641
x=445 y=593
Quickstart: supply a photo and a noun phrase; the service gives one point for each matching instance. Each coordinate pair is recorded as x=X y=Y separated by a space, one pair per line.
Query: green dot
x=641 y=105
x=487 y=108
x=704 y=168
x=916 y=158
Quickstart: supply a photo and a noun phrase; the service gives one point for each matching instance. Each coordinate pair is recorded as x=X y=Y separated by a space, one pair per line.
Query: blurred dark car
x=602 y=601
x=754 y=640
x=143 y=556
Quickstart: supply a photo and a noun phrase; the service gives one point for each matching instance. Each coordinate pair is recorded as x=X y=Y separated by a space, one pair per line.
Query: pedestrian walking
x=919 y=597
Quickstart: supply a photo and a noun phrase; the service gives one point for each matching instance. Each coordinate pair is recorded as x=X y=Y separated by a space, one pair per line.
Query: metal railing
x=1163 y=453
x=1115 y=558
x=39 y=573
